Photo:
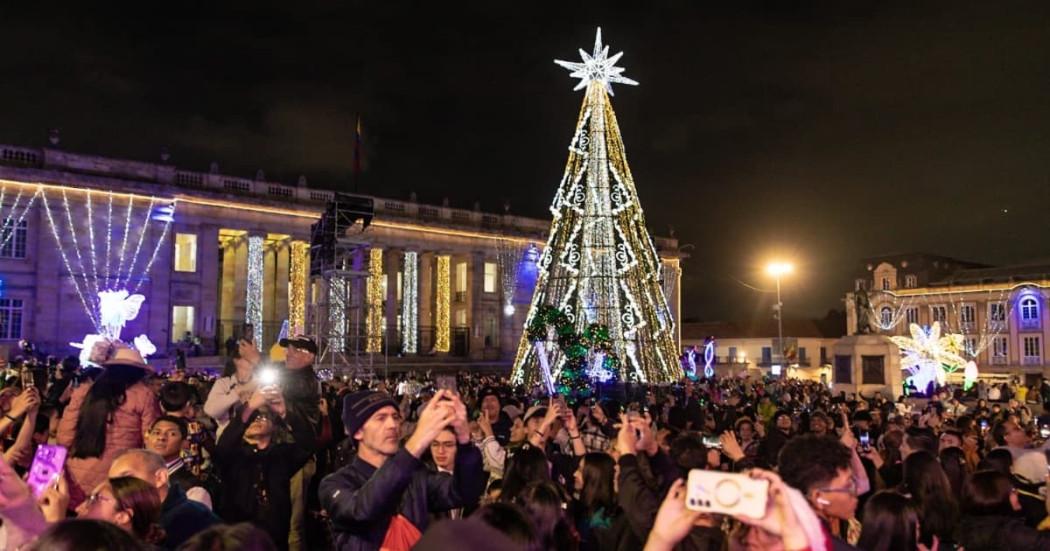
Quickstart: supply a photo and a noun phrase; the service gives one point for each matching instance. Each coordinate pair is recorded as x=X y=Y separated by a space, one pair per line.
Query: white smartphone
x=726 y=493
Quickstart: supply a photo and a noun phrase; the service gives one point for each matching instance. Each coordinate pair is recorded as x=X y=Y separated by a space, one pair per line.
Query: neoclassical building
x=212 y=253
x=1001 y=312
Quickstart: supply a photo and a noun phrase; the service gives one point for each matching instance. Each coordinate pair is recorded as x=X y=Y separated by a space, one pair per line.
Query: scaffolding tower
x=337 y=276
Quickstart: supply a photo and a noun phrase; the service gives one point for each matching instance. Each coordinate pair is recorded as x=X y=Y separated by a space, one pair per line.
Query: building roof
x=763 y=329
x=1017 y=272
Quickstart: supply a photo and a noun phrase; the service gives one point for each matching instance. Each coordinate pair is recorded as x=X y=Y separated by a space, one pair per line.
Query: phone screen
x=865 y=440
x=46 y=468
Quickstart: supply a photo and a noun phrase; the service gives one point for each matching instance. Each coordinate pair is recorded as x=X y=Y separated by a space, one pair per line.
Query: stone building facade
x=235 y=250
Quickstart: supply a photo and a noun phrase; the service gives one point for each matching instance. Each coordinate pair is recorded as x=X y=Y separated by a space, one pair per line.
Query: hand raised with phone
x=436 y=415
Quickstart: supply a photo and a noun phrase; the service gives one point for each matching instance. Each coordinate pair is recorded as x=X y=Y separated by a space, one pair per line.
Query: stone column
x=270 y=321
x=410 y=303
x=427 y=297
x=254 y=275
x=281 y=281
x=443 y=302
x=208 y=242
x=475 y=306
x=298 y=285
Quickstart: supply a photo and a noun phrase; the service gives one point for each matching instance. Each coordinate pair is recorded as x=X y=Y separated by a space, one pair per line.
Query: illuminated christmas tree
x=600 y=265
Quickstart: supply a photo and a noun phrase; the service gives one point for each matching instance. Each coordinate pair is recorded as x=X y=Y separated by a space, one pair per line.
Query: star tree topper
x=597 y=66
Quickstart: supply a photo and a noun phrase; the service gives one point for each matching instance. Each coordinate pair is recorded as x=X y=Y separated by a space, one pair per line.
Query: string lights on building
x=374 y=321
x=410 y=303
x=254 y=311
x=337 y=314
x=442 y=315
x=299 y=269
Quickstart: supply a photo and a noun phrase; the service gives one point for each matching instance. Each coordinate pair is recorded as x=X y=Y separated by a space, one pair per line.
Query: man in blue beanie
x=383 y=497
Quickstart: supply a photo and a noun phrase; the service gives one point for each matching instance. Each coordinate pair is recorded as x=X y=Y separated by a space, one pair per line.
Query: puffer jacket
x=125 y=431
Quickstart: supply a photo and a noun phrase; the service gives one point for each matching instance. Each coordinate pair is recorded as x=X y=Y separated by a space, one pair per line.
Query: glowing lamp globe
x=508 y=310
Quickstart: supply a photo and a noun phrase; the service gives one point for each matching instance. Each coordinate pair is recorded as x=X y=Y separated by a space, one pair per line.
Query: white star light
x=597 y=66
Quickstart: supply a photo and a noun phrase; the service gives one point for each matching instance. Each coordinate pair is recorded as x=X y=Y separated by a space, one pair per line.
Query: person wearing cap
x=106 y=417
x=489 y=404
x=383 y=497
x=256 y=470
x=302 y=393
x=778 y=435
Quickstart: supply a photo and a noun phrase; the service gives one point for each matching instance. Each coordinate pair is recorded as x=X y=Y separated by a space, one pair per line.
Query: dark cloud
x=811 y=130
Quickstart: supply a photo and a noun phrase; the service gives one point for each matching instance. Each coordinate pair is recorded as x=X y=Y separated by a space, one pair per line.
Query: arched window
x=886 y=317
x=1029 y=309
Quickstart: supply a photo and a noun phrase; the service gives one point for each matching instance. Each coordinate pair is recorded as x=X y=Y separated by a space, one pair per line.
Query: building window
x=1029 y=309
x=860 y=284
x=490 y=277
x=967 y=313
x=461 y=317
x=802 y=355
x=885 y=284
x=10 y=318
x=1032 y=351
x=911 y=281
x=185 y=252
x=732 y=354
x=970 y=345
x=843 y=369
x=399 y=286
x=872 y=370
x=939 y=313
x=181 y=322
x=997 y=311
x=767 y=354
x=823 y=355
x=912 y=315
x=491 y=332
x=461 y=277
x=886 y=317
x=999 y=349
x=14 y=245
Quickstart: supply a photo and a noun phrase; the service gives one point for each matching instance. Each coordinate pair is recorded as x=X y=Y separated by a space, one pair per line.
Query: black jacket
x=361 y=499
x=302 y=393
x=182 y=519
x=248 y=473
x=991 y=532
x=640 y=499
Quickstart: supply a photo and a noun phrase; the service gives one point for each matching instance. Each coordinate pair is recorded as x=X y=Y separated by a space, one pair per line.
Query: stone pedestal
x=856 y=362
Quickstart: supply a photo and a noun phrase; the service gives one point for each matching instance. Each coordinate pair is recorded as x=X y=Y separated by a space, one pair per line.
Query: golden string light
x=441 y=315
x=374 y=321
x=299 y=269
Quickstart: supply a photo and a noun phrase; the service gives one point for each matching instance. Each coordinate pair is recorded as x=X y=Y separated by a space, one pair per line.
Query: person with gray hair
x=180 y=518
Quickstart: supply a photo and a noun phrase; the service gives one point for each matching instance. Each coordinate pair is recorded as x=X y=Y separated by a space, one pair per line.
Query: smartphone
x=1044 y=431
x=268 y=376
x=865 y=441
x=27 y=378
x=46 y=468
x=984 y=425
x=712 y=442
x=726 y=493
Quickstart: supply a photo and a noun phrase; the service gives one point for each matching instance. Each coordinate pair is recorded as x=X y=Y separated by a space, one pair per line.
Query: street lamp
x=778 y=269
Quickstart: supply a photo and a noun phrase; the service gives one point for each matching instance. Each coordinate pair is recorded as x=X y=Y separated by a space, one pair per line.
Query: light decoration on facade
x=299 y=267
x=410 y=304
x=374 y=320
x=442 y=314
x=709 y=358
x=507 y=264
x=599 y=264
x=928 y=356
x=253 y=313
x=90 y=281
x=337 y=314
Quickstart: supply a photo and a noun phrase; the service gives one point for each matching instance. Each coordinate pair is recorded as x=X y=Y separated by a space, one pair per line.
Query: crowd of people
x=270 y=456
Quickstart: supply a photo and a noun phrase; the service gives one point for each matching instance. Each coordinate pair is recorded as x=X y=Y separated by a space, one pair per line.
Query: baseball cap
x=301 y=342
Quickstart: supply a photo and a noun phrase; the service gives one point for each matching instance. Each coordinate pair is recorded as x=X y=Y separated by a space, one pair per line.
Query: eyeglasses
x=98 y=496
x=850 y=490
x=446 y=445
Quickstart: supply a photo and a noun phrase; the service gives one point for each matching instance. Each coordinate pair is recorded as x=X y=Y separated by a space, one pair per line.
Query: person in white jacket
x=235 y=386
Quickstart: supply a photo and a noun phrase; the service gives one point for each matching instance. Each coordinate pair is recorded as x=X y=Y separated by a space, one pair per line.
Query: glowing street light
x=778 y=269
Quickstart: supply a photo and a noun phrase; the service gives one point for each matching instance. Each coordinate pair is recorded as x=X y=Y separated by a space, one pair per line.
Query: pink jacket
x=126 y=430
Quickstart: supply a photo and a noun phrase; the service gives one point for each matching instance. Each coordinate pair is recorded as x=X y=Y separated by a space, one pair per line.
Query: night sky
x=820 y=133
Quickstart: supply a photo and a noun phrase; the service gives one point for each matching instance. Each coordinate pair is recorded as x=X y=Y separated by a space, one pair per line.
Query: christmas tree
x=600 y=266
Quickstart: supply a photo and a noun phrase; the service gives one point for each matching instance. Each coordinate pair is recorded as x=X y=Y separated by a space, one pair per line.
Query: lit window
x=886 y=317
x=13 y=238
x=10 y=318
x=1031 y=347
x=461 y=277
x=999 y=347
x=490 y=277
x=885 y=284
x=399 y=286
x=181 y=322
x=939 y=313
x=461 y=318
x=967 y=314
x=185 y=252
x=1029 y=309
x=911 y=281
x=997 y=311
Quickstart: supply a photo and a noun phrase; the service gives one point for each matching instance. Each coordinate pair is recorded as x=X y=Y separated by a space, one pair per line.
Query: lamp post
x=778 y=269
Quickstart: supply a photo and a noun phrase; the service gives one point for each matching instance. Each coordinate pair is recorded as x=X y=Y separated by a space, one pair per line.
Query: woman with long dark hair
x=990 y=519
x=891 y=523
x=106 y=417
x=596 y=510
x=929 y=490
x=528 y=465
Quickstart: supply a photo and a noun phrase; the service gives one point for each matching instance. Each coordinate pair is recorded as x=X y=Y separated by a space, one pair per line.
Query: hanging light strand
x=91 y=240
x=109 y=235
x=156 y=250
x=65 y=260
x=410 y=304
x=76 y=247
x=138 y=246
x=124 y=241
